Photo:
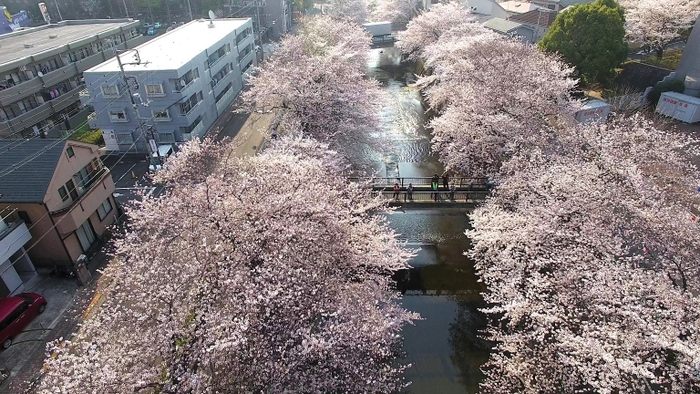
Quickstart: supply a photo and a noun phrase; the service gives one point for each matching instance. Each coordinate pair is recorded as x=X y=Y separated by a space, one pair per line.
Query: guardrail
x=440 y=196
x=459 y=182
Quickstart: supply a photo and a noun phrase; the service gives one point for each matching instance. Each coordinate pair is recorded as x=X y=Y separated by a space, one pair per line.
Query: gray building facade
x=41 y=72
x=183 y=82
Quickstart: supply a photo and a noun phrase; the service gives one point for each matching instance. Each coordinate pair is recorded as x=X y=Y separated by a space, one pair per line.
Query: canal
x=444 y=348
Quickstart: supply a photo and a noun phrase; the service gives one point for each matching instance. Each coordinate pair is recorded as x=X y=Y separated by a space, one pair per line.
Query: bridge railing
x=441 y=196
x=459 y=182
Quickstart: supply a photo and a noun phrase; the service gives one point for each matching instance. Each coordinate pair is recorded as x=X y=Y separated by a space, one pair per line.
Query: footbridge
x=468 y=191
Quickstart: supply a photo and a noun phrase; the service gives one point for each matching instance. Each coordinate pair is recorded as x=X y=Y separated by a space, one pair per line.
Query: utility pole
x=59 y=11
x=151 y=145
x=260 y=29
x=189 y=8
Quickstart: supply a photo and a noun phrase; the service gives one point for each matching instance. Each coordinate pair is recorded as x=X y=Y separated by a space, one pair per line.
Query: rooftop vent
x=53 y=35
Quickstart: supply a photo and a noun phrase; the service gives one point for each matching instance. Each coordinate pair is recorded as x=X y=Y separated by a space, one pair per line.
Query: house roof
x=518 y=7
x=541 y=17
x=568 y=3
x=33 y=41
x=27 y=167
x=501 y=25
x=172 y=50
x=639 y=76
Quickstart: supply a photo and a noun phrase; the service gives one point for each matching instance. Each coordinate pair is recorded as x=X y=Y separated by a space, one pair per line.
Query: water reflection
x=444 y=348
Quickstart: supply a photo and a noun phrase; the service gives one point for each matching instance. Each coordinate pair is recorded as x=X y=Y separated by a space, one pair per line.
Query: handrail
x=94 y=180
x=421 y=181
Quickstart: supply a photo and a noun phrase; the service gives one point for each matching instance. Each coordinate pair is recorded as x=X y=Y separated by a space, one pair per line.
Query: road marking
x=126 y=173
x=92 y=304
x=151 y=192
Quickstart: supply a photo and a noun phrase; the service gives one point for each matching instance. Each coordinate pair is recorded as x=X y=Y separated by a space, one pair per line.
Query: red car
x=16 y=312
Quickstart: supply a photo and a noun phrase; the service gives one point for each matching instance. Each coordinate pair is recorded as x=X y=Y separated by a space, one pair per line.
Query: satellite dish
x=212 y=16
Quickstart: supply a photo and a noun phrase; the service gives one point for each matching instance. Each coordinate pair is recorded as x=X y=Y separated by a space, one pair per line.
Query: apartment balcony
x=30 y=117
x=12 y=238
x=41 y=112
x=59 y=75
x=192 y=113
x=246 y=59
x=90 y=61
x=91 y=196
x=19 y=92
x=63 y=101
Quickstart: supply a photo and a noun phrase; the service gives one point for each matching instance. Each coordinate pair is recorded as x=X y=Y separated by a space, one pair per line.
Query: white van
x=164 y=151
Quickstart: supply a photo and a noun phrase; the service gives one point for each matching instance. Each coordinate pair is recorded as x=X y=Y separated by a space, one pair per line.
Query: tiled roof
x=501 y=25
x=27 y=167
x=536 y=18
x=639 y=76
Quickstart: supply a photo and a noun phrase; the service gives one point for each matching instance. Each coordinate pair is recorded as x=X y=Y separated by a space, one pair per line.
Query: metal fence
x=440 y=196
x=459 y=182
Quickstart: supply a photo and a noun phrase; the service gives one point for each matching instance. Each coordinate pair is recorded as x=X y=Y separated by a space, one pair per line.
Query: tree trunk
x=660 y=53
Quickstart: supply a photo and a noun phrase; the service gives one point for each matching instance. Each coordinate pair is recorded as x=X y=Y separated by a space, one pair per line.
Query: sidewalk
x=250 y=139
x=68 y=305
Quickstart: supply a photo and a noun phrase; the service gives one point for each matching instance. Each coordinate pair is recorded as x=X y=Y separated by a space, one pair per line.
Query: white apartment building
x=184 y=80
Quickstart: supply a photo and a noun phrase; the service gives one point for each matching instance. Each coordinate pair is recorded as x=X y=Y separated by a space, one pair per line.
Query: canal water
x=444 y=348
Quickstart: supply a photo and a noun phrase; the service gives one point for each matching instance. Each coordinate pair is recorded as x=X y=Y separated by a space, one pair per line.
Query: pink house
x=55 y=204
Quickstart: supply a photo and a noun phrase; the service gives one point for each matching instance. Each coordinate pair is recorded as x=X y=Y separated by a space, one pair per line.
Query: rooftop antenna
x=212 y=16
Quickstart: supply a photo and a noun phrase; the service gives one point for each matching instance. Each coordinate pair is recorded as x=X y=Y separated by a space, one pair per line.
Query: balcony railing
x=84 y=190
x=10 y=228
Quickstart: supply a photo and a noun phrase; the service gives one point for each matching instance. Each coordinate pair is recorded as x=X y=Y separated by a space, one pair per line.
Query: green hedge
x=674 y=85
x=88 y=136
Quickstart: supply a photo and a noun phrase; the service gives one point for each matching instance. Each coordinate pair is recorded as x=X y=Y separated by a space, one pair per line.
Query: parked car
x=159 y=159
x=151 y=31
x=157 y=25
x=16 y=312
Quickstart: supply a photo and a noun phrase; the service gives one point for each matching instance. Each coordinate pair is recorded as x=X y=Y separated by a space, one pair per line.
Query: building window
x=63 y=193
x=86 y=235
x=155 y=90
x=104 y=209
x=69 y=152
x=118 y=116
x=160 y=115
x=110 y=90
x=124 y=138
x=166 y=137
x=70 y=186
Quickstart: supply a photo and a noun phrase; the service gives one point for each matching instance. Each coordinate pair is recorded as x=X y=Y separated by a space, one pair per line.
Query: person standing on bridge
x=446 y=180
x=452 y=191
x=434 y=188
x=397 y=190
x=409 y=191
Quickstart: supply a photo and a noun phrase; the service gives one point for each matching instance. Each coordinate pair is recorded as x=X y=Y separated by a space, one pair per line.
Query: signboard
x=154 y=147
x=45 y=12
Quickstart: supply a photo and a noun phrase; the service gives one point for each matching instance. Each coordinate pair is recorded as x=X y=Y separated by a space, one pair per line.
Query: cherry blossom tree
x=395 y=11
x=428 y=27
x=494 y=97
x=592 y=263
x=239 y=281
x=349 y=10
x=317 y=82
x=657 y=23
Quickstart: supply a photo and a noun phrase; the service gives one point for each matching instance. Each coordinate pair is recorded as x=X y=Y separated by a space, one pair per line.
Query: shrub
x=89 y=136
x=674 y=85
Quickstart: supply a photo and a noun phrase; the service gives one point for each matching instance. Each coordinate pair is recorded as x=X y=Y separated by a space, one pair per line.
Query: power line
x=38 y=153
x=64 y=216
